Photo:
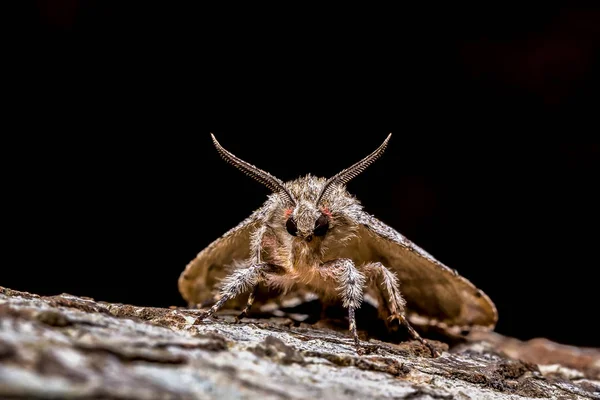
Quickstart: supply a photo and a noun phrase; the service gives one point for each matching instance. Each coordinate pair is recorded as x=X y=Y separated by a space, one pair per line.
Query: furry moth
x=311 y=234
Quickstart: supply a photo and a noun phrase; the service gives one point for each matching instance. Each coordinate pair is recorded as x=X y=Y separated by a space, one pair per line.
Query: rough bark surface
x=71 y=347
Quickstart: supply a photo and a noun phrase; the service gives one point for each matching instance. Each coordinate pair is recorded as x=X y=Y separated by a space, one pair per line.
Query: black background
x=112 y=183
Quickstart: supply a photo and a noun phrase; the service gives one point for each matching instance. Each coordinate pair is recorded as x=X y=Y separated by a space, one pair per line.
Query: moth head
x=344 y=176
x=307 y=222
x=273 y=183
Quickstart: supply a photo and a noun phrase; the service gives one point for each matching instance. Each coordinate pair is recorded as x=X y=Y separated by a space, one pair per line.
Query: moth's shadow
x=368 y=321
x=336 y=317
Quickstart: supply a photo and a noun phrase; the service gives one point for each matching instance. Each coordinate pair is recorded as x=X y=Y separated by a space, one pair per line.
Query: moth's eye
x=321 y=226
x=291 y=226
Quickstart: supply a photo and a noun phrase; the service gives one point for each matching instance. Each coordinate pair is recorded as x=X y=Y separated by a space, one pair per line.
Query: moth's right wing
x=436 y=295
x=200 y=277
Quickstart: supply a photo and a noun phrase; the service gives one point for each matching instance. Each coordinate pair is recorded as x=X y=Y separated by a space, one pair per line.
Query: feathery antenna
x=353 y=171
x=276 y=185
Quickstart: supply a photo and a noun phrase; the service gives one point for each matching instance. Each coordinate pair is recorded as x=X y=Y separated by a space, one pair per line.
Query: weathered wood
x=71 y=347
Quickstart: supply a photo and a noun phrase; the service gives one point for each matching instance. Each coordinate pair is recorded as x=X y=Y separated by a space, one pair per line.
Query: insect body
x=311 y=234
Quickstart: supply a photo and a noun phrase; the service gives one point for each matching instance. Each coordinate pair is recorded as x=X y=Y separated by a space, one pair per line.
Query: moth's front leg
x=240 y=281
x=351 y=283
x=256 y=249
x=245 y=279
x=386 y=284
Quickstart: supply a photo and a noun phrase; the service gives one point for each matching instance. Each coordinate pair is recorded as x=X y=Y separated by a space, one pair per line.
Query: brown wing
x=197 y=282
x=435 y=294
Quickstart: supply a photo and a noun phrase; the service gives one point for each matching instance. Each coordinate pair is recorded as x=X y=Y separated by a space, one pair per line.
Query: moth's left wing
x=199 y=282
x=201 y=275
x=435 y=294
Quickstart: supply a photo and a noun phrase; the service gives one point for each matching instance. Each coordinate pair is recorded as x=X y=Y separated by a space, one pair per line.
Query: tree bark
x=72 y=347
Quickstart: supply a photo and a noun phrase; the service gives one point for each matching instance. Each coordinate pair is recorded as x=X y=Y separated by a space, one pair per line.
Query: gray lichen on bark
x=71 y=347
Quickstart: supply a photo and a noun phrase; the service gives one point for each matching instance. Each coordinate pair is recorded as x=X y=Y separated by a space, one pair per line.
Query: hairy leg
x=351 y=282
x=240 y=281
x=243 y=279
x=386 y=284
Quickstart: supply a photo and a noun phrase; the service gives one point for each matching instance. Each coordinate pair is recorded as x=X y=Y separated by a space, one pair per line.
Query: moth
x=312 y=235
